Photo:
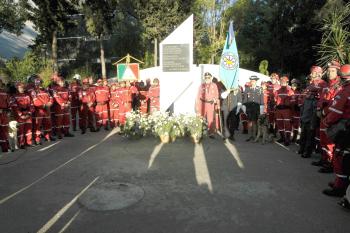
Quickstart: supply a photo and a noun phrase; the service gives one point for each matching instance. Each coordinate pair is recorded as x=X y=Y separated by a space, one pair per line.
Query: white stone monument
x=179 y=78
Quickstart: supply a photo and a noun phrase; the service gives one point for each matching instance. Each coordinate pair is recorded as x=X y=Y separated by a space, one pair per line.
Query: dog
x=263 y=130
x=12 y=137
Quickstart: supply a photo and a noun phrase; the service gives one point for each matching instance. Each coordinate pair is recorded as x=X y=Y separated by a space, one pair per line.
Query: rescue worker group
x=295 y=113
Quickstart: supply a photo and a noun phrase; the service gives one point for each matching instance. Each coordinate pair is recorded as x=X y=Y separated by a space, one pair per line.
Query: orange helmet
x=334 y=64
x=285 y=78
x=316 y=69
x=344 y=71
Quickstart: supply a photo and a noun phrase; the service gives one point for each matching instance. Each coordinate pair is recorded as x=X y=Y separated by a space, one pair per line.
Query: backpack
x=339 y=133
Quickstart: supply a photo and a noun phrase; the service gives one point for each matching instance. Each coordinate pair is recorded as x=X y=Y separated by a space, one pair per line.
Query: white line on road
x=69 y=222
x=58 y=215
x=201 y=167
x=234 y=153
x=2 y=201
x=48 y=147
x=154 y=154
x=284 y=147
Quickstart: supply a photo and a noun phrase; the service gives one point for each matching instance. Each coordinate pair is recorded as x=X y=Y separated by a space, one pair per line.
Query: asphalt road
x=212 y=187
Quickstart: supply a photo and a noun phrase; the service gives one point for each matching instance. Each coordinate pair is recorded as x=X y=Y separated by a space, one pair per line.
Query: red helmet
x=275 y=76
x=334 y=64
x=344 y=71
x=316 y=69
x=20 y=84
x=285 y=78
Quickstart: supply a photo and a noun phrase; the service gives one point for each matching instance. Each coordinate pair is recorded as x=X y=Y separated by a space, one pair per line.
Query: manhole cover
x=111 y=195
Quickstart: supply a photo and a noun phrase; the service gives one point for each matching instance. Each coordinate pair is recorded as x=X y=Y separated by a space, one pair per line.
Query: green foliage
x=335 y=43
x=46 y=73
x=12 y=17
x=19 y=69
x=263 y=67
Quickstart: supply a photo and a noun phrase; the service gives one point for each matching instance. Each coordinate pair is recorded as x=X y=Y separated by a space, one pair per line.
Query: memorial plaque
x=176 y=57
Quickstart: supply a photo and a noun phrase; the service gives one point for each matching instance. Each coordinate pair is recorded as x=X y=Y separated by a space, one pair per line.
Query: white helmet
x=77 y=77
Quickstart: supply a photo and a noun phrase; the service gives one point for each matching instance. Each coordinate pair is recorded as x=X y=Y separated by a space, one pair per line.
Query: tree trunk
x=155 y=52
x=54 y=51
x=102 y=58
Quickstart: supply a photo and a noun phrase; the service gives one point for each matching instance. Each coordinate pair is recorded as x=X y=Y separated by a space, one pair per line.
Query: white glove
x=239 y=106
x=262 y=109
x=244 y=109
x=225 y=94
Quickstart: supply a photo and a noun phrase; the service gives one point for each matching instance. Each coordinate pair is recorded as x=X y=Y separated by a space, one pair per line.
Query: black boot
x=334 y=192
x=344 y=203
x=282 y=139
x=318 y=163
x=326 y=168
x=69 y=135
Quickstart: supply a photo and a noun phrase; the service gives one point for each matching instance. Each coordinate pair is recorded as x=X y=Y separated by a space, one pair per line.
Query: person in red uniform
x=4 y=119
x=42 y=102
x=134 y=94
x=61 y=107
x=114 y=105
x=154 y=96
x=122 y=96
x=340 y=109
x=207 y=102
x=22 y=109
x=326 y=98
x=74 y=88
x=274 y=86
x=295 y=108
x=283 y=111
x=87 y=100
x=143 y=98
x=101 y=111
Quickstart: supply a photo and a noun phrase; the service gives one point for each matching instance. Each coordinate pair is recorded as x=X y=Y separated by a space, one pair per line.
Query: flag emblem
x=229 y=61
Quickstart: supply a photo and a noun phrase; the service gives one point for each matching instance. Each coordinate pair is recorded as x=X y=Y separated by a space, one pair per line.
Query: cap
x=207 y=75
x=254 y=77
x=344 y=71
x=316 y=69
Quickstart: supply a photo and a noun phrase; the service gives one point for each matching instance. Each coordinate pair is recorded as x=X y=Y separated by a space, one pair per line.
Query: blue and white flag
x=229 y=63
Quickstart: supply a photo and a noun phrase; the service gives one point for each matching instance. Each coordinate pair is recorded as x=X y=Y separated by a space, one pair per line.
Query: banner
x=229 y=63
x=128 y=72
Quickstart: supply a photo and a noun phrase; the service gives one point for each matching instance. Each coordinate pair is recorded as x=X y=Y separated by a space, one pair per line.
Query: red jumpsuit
x=207 y=99
x=143 y=96
x=283 y=111
x=61 y=109
x=22 y=108
x=101 y=111
x=75 y=104
x=295 y=107
x=125 y=99
x=86 y=116
x=114 y=108
x=339 y=109
x=4 y=121
x=326 y=99
x=42 y=116
x=154 y=98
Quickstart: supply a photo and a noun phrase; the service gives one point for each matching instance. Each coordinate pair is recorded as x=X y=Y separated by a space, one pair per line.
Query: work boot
x=344 y=203
x=327 y=168
x=83 y=131
x=232 y=138
x=318 y=163
x=92 y=130
x=306 y=155
x=282 y=138
x=334 y=192
x=69 y=135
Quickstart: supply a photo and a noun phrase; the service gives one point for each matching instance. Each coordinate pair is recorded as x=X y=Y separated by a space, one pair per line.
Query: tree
x=335 y=43
x=159 y=17
x=12 y=18
x=51 y=17
x=98 y=17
